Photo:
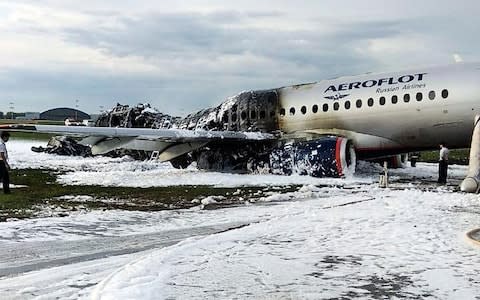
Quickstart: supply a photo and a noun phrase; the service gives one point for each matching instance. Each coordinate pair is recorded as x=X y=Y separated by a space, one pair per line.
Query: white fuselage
x=443 y=102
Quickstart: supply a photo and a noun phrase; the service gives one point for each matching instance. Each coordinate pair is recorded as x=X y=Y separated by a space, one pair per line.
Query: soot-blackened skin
x=247 y=111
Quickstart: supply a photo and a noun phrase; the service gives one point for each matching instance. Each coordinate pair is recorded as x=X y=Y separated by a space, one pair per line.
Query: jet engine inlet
x=324 y=157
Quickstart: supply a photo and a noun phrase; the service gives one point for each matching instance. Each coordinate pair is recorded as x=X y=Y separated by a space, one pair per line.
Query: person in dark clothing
x=443 y=164
x=4 y=166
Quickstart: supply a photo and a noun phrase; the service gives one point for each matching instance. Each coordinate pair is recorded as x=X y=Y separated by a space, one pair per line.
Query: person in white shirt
x=4 y=166
x=443 y=164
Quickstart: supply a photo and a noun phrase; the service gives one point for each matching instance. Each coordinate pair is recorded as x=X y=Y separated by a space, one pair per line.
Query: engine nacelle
x=324 y=157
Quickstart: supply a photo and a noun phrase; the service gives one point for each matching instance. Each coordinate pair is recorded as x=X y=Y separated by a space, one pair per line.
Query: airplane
x=318 y=129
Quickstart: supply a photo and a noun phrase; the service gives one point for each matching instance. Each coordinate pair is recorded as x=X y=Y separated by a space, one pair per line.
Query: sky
x=184 y=55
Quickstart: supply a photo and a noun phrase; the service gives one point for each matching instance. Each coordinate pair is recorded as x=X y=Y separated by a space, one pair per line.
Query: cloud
x=216 y=40
x=195 y=54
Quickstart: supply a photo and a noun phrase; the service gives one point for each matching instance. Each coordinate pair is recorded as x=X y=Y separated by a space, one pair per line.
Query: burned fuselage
x=251 y=111
x=247 y=112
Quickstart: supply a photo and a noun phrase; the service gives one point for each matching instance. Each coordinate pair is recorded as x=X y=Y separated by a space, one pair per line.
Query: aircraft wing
x=169 y=143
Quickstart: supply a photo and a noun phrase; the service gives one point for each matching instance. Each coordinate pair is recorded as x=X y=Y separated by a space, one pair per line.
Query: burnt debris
x=248 y=111
x=66 y=146
x=140 y=116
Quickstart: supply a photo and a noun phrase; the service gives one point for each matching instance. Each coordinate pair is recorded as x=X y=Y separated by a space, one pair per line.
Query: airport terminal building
x=60 y=114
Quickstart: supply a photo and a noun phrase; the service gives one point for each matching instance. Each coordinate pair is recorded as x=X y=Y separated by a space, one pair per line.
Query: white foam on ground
x=399 y=243
x=127 y=172
x=318 y=242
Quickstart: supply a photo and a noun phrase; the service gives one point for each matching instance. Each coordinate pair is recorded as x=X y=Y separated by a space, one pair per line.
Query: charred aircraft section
x=258 y=111
x=140 y=116
x=65 y=146
x=323 y=157
x=246 y=112
x=251 y=111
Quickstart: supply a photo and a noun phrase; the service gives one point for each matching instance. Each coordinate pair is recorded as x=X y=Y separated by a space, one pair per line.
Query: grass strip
x=42 y=192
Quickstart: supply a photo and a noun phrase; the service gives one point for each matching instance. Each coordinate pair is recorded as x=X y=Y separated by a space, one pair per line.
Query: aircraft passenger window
x=370 y=102
x=336 y=106
x=292 y=111
x=325 y=107
x=304 y=109
x=262 y=114
x=347 y=104
x=359 y=103
x=253 y=114
x=406 y=98
x=419 y=96
x=225 y=118
x=445 y=94
x=382 y=100
x=282 y=111
x=431 y=95
x=394 y=99
x=272 y=114
x=315 y=109
x=234 y=117
x=244 y=115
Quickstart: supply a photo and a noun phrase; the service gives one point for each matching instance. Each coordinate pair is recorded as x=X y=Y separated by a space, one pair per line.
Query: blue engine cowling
x=323 y=157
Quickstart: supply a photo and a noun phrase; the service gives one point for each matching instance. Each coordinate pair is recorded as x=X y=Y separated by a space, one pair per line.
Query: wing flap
x=179 y=150
x=166 y=135
x=109 y=144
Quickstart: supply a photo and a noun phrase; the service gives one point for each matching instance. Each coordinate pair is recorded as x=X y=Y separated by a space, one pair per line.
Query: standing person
x=4 y=166
x=443 y=164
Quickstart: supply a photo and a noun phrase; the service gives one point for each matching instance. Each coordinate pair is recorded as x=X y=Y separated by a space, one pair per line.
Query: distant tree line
x=8 y=115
